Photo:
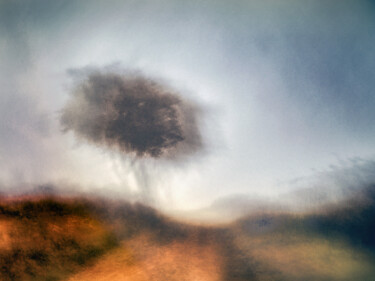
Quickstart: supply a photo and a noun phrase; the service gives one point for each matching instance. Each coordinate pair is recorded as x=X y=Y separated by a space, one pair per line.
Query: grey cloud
x=323 y=53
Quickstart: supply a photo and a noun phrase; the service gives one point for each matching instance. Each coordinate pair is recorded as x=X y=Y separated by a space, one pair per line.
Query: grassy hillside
x=48 y=240
x=79 y=239
x=335 y=243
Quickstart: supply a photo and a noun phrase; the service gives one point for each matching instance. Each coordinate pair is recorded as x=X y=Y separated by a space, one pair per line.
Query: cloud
x=134 y=114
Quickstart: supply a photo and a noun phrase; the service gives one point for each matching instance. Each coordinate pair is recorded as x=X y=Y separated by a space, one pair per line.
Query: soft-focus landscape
x=78 y=239
x=187 y=140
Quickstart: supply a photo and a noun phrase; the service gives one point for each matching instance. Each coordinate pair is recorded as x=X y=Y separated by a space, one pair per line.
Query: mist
x=187 y=140
x=263 y=99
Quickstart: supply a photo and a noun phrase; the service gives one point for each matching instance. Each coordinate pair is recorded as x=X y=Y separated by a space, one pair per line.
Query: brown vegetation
x=85 y=239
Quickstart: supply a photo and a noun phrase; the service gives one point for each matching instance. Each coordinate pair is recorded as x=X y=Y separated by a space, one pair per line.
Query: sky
x=284 y=89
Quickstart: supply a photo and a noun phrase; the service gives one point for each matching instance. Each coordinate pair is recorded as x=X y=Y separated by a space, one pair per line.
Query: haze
x=284 y=89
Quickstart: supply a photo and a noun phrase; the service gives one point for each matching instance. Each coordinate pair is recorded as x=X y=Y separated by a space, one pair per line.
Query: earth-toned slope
x=48 y=240
x=80 y=239
x=292 y=256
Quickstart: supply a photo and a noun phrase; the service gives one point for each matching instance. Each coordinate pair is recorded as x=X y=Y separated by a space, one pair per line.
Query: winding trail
x=144 y=259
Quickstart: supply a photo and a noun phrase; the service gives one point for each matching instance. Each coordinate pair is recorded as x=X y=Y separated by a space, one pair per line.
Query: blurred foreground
x=79 y=239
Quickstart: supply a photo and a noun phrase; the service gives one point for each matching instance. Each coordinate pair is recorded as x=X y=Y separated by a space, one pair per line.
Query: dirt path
x=142 y=259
